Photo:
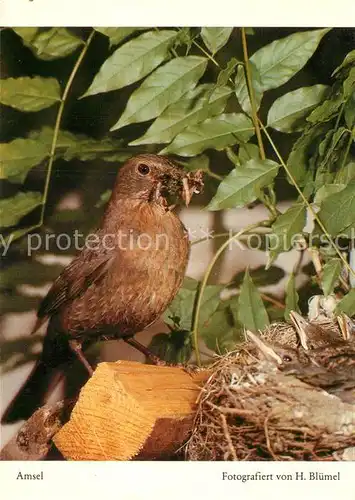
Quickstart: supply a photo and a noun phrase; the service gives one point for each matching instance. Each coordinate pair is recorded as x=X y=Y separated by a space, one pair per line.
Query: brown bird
x=122 y=281
x=302 y=364
x=313 y=335
x=324 y=347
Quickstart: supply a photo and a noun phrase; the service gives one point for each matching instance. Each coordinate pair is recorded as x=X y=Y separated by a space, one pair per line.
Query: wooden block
x=128 y=410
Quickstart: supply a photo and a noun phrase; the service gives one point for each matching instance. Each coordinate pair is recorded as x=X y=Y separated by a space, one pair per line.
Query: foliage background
x=77 y=102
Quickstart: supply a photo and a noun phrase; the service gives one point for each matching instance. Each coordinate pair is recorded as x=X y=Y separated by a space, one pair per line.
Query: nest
x=250 y=410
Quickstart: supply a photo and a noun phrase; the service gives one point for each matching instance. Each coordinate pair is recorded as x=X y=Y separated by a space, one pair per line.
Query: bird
x=330 y=366
x=313 y=335
x=324 y=346
x=283 y=356
x=122 y=284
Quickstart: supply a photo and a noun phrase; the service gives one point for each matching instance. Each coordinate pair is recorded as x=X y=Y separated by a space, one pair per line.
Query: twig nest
x=249 y=410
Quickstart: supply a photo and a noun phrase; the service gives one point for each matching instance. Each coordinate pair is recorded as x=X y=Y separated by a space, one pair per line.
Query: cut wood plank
x=130 y=410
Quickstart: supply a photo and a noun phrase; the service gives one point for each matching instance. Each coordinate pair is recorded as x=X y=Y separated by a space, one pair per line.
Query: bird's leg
x=144 y=350
x=75 y=346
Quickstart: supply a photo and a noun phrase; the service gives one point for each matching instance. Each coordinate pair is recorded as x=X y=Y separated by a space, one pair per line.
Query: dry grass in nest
x=249 y=410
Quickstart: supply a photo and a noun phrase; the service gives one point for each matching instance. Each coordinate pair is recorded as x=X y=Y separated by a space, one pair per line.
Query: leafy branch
x=58 y=123
x=207 y=274
x=174 y=104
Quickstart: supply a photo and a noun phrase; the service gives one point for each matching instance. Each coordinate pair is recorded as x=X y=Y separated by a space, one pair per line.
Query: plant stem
x=57 y=125
x=266 y=200
x=205 y=279
x=210 y=57
x=273 y=301
x=252 y=95
x=214 y=175
x=233 y=157
x=222 y=235
x=339 y=115
x=267 y=298
x=207 y=54
x=347 y=150
x=308 y=205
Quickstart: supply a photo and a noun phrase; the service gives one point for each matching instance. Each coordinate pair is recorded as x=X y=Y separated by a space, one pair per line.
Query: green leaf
x=252 y=313
x=260 y=276
x=243 y=184
x=185 y=37
x=225 y=74
x=13 y=209
x=292 y=297
x=288 y=112
x=30 y=272
x=163 y=87
x=132 y=61
x=280 y=60
x=180 y=312
x=349 y=111
x=13 y=236
x=345 y=174
x=221 y=333
x=27 y=34
x=18 y=157
x=197 y=105
x=247 y=151
x=326 y=191
x=349 y=59
x=117 y=35
x=209 y=303
x=50 y=44
x=347 y=304
x=330 y=275
x=174 y=347
x=200 y=162
x=217 y=133
x=328 y=108
x=241 y=87
x=215 y=38
x=70 y=146
x=29 y=94
x=286 y=228
x=338 y=210
x=349 y=84
x=299 y=159
x=104 y=197
x=329 y=150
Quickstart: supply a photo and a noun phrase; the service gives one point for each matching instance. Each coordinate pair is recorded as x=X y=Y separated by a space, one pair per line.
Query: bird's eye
x=286 y=358
x=143 y=169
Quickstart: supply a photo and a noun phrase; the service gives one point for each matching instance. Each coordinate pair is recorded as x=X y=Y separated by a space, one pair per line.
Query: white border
x=312 y=13
x=173 y=481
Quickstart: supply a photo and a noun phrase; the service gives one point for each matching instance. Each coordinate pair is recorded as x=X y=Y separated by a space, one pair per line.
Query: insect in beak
x=192 y=183
x=186 y=193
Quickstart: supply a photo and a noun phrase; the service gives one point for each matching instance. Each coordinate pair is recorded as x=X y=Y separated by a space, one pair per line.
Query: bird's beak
x=300 y=325
x=265 y=348
x=346 y=325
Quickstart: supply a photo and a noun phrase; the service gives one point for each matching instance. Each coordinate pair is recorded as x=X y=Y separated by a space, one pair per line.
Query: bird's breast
x=151 y=256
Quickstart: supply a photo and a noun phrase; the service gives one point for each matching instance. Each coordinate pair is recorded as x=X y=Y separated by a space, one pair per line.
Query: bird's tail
x=45 y=375
x=33 y=393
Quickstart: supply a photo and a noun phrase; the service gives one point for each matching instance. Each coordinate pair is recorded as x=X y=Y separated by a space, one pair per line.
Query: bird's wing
x=74 y=280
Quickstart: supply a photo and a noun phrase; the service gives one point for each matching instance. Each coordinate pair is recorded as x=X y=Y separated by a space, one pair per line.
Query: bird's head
x=284 y=357
x=152 y=178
